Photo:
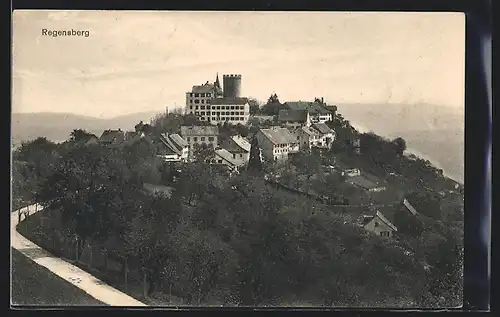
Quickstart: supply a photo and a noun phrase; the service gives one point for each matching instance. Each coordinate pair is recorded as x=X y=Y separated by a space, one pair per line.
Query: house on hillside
x=317 y=112
x=225 y=158
x=197 y=135
x=172 y=148
x=294 y=118
x=238 y=147
x=327 y=135
x=112 y=138
x=409 y=207
x=379 y=225
x=307 y=137
x=276 y=143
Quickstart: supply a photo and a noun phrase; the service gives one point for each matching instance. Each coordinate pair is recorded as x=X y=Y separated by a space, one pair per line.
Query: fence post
x=105 y=260
x=76 y=248
x=90 y=261
x=126 y=274
x=144 y=283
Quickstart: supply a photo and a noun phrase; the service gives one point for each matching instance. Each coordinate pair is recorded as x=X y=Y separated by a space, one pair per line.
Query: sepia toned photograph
x=237 y=159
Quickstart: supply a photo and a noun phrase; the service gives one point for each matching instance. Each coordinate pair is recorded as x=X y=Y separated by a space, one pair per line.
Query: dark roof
x=292 y=115
x=203 y=88
x=312 y=107
x=322 y=128
x=112 y=136
x=237 y=144
x=331 y=108
x=229 y=101
x=199 y=130
x=279 y=135
x=173 y=142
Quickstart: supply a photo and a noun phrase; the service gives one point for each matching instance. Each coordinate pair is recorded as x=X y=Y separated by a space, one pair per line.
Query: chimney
x=322 y=100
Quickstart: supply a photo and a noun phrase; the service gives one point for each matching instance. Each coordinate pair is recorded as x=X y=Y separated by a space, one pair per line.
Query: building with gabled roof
x=379 y=224
x=173 y=148
x=317 y=112
x=239 y=147
x=112 y=137
x=224 y=157
x=327 y=134
x=276 y=143
x=294 y=118
x=307 y=137
x=198 y=135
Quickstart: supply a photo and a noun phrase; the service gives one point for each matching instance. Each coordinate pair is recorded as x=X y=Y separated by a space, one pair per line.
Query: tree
x=255 y=161
x=309 y=164
x=203 y=153
x=254 y=106
x=400 y=145
x=80 y=135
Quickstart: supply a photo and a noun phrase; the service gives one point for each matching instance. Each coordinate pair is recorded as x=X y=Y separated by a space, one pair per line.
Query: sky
x=143 y=61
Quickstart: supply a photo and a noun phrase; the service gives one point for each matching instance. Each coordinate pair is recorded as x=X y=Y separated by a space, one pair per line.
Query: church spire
x=217 y=87
x=217 y=83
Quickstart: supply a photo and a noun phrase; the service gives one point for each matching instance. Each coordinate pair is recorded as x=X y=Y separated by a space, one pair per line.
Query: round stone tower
x=231 y=86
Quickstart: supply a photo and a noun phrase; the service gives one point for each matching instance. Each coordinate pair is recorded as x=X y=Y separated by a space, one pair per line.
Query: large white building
x=210 y=103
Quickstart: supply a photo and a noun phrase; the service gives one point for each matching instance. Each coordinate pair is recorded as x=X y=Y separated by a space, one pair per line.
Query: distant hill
x=432 y=132
x=58 y=126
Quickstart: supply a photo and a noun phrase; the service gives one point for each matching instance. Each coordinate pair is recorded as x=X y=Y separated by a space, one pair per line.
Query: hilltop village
x=296 y=127
x=234 y=202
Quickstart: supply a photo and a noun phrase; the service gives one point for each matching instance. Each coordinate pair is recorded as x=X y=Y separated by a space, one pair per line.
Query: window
x=202 y=113
x=191 y=94
x=385 y=234
x=234 y=155
x=222 y=118
x=190 y=100
x=219 y=161
x=241 y=118
x=232 y=107
x=196 y=95
x=208 y=113
x=191 y=107
x=242 y=107
x=232 y=113
x=202 y=138
x=210 y=138
x=195 y=139
x=241 y=155
x=376 y=224
x=208 y=95
x=214 y=119
x=232 y=119
x=202 y=100
x=188 y=139
x=218 y=107
x=202 y=107
x=207 y=101
x=190 y=112
x=298 y=138
x=202 y=95
x=202 y=118
x=196 y=101
x=196 y=107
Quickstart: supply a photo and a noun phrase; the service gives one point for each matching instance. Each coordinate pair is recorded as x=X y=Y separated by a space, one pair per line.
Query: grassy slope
x=35 y=285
